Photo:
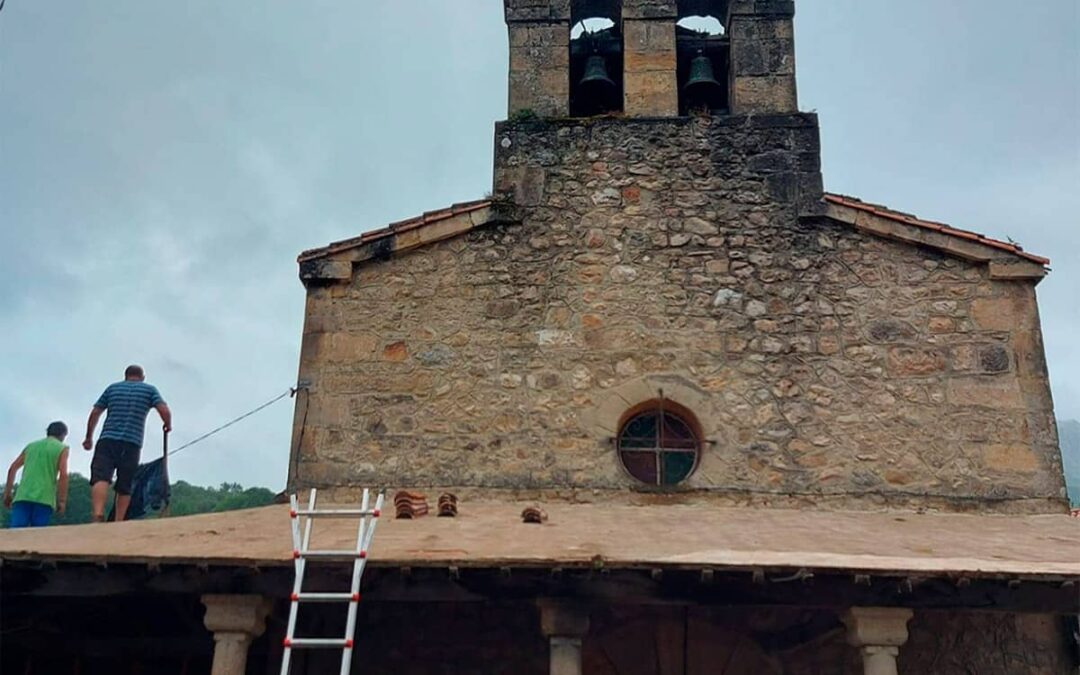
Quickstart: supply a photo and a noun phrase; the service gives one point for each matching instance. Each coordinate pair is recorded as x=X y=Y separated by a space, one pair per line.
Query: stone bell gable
x=669 y=307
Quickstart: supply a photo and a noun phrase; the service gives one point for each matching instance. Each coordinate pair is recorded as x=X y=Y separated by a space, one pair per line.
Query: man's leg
x=122 y=502
x=20 y=515
x=98 y=492
x=101 y=472
x=126 y=466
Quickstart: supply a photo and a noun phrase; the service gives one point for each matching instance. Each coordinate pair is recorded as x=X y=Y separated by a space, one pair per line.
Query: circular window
x=658 y=447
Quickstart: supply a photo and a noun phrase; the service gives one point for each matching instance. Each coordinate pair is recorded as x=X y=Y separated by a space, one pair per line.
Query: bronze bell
x=702 y=86
x=596 y=75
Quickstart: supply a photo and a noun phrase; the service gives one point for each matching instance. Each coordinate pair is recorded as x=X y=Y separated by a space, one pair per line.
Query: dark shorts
x=112 y=455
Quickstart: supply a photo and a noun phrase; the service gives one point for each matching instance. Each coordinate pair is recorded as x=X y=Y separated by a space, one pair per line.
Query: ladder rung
x=317 y=643
x=326 y=597
x=336 y=513
x=341 y=555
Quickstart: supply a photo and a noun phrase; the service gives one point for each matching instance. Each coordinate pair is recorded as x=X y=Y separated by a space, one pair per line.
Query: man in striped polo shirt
x=128 y=404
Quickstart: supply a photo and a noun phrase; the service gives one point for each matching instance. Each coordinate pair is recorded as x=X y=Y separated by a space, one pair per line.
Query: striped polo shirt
x=128 y=403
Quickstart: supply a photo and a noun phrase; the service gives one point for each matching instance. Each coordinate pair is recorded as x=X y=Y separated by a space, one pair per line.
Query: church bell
x=596 y=75
x=702 y=87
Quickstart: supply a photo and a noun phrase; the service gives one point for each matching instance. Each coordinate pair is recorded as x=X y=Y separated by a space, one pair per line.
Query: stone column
x=539 y=56
x=564 y=625
x=878 y=632
x=650 y=83
x=235 y=620
x=762 y=38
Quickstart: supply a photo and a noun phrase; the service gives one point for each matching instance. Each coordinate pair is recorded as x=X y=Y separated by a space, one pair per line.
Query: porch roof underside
x=491 y=534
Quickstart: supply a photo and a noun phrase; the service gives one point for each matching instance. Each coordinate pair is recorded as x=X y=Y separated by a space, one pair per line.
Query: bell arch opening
x=596 y=58
x=703 y=57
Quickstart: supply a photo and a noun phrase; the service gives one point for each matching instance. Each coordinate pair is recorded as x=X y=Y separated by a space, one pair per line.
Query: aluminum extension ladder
x=302 y=552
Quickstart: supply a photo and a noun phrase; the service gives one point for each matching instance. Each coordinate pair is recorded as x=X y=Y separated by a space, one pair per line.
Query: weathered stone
x=501 y=309
x=439 y=355
x=623 y=274
x=1010 y=458
x=987 y=392
x=994 y=359
x=909 y=362
x=395 y=351
x=700 y=226
x=890 y=330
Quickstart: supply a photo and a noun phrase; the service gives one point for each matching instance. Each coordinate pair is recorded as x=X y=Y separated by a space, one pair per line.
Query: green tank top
x=38 y=481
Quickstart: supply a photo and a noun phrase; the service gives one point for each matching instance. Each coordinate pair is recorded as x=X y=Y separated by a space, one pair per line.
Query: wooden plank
x=490 y=534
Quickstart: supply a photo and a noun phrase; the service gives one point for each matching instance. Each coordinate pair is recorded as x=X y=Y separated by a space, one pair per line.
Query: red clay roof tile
x=885 y=212
x=395 y=228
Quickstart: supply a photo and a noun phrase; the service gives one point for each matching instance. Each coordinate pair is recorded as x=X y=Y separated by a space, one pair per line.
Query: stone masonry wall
x=825 y=366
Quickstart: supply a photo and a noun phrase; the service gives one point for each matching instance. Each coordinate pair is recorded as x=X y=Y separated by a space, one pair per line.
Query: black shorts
x=113 y=455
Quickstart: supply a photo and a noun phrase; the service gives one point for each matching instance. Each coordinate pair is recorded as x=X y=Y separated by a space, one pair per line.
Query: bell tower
x=650 y=58
x=636 y=92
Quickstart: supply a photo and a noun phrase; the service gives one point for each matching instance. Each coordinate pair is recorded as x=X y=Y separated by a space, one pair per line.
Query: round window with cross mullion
x=658 y=447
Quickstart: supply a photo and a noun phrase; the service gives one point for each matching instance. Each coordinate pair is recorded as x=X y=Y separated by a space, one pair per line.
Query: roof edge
x=393 y=229
x=882 y=221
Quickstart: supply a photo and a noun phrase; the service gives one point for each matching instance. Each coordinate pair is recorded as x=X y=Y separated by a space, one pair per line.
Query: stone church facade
x=814 y=351
x=768 y=430
x=825 y=351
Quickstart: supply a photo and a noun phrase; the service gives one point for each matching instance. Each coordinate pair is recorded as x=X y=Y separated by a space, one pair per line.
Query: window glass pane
x=642 y=426
x=676 y=466
x=677 y=434
x=641 y=465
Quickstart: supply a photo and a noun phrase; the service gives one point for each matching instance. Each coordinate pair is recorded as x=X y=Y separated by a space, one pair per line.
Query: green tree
x=187 y=499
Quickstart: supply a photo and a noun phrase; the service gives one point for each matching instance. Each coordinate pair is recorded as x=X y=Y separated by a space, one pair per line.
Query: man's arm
x=15 y=466
x=62 y=483
x=166 y=416
x=91 y=424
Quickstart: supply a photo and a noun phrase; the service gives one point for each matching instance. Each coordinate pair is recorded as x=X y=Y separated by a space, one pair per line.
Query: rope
x=288 y=392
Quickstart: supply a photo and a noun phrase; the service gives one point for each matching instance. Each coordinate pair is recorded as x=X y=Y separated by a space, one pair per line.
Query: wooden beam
x=671 y=586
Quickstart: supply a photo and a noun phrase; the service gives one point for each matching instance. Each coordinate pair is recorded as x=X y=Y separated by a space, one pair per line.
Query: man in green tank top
x=44 y=484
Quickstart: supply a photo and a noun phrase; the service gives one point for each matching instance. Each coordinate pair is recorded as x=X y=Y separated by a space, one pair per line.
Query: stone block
x=643 y=62
x=1010 y=459
x=750 y=29
x=1014 y=312
x=988 y=392
x=764 y=94
x=525 y=183
x=649 y=9
x=916 y=362
x=348 y=347
x=761 y=8
x=652 y=93
x=994 y=359
x=536 y=10
x=763 y=57
x=323 y=270
x=648 y=36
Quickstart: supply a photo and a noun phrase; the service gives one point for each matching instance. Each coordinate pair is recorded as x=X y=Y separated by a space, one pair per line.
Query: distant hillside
x=1069 y=431
x=187 y=499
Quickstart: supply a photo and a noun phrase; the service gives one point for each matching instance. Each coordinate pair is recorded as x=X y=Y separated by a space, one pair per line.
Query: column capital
x=877 y=627
x=245 y=614
x=563 y=619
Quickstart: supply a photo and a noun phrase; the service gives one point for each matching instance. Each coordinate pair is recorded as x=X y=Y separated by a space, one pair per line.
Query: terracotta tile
x=534 y=514
x=448 y=505
x=393 y=228
x=885 y=212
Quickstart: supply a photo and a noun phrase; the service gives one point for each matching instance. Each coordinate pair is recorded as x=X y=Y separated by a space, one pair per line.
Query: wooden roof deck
x=491 y=534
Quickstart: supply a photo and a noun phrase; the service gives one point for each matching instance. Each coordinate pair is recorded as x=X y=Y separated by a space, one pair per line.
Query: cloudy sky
x=162 y=163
